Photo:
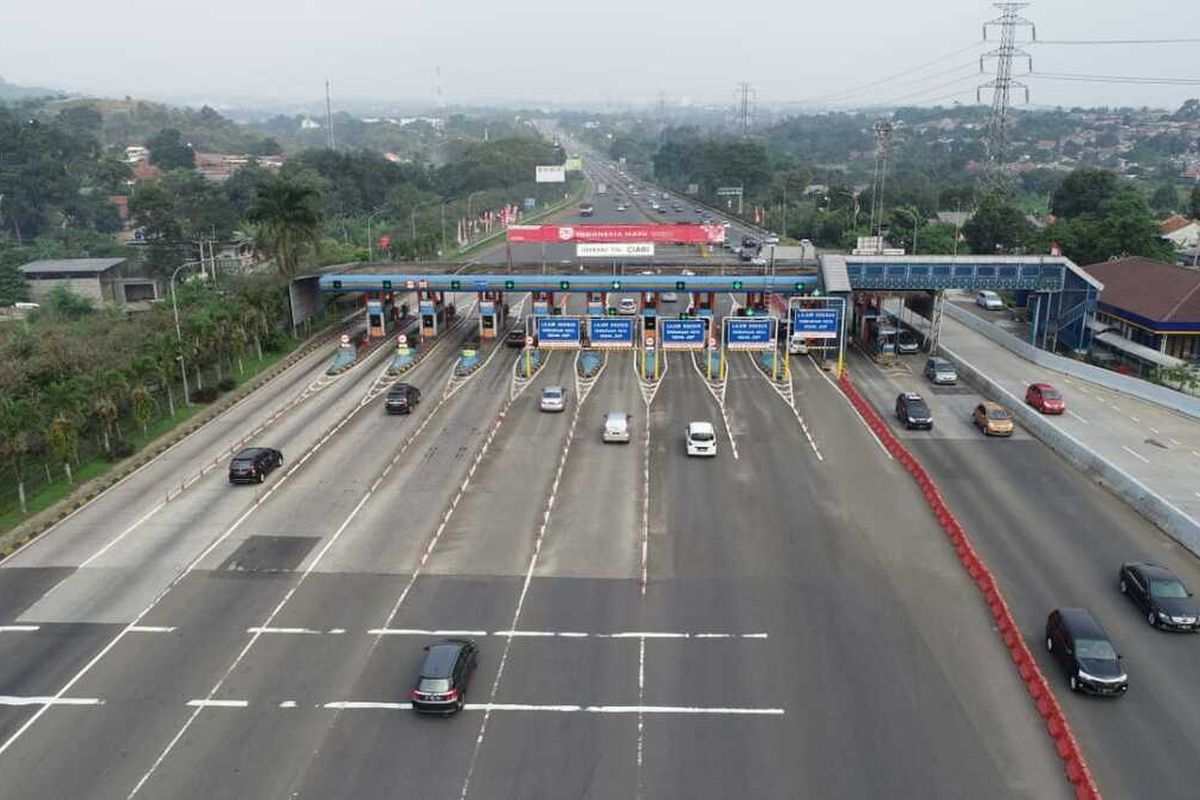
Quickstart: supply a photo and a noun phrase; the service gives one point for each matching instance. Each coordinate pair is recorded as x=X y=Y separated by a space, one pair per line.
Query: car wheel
x=1152 y=619
x=261 y=477
x=462 y=700
x=1123 y=587
x=1049 y=644
x=1074 y=684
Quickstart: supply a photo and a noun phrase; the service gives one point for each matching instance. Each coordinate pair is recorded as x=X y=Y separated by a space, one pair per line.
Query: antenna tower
x=883 y=150
x=745 y=98
x=995 y=175
x=328 y=117
x=441 y=101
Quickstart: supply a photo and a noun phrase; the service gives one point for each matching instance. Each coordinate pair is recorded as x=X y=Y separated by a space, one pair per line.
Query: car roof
x=1042 y=386
x=401 y=387
x=991 y=406
x=1080 y=622
x=552 y=390
x=1153 y=570
x=251 y=452
x=440 y=658
x=616 y=415
x=911 y=396
x=700 y=427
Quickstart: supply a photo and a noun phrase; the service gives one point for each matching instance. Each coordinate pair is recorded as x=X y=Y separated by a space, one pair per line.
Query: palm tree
x=64 y=403
x=288 y=221
x=16 y=419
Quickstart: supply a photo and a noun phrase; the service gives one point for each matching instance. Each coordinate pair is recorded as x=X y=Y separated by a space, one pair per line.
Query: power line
x=936 y=87
x=1114 y=41
x=971 y=65
x=858 y=89
x=1058 y=76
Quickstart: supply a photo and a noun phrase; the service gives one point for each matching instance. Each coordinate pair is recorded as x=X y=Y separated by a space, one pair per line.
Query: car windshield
x=551 y=394
x=1097 y=649
x=1050 y=394
x=242 y=463
x=917 y=408
x=1171 y=590
x=997 y=413
x=702 y=436
x=434 y=685
x=942 y=366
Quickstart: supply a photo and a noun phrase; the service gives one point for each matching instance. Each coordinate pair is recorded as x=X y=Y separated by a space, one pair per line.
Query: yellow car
x=993 y=419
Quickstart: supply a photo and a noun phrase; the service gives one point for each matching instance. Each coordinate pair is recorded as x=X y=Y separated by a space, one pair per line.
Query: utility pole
x=662 y=107
x=328 y=117
x=883 y=149
x=995 y=175
x=745 y=96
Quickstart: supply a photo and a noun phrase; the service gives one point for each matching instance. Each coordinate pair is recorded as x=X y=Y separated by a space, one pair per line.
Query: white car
x=668 y=297
x=989 y=300
x=771 y=239
x=687 y=272
x=797 y=346
x=554 y=398
x=616 y=427
x=627 y=307
x=700 y=438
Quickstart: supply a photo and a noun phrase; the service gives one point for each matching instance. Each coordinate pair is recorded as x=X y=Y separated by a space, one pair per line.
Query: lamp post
x=179 y=332
x=370 y=217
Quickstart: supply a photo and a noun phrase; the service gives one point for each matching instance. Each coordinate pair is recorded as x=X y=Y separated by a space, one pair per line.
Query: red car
x=1045 y=398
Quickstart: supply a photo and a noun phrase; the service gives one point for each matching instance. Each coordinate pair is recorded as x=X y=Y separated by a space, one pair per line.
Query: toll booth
x=650 y=316
x=380 y=316
x=435 y=313
x=705 y=303
x=493 y=314
x=597 y=304
x=544 y=305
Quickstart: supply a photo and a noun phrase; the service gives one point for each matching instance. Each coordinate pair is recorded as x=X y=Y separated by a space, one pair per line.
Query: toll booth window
x=651 y=323
x=376 y=321
x=488 y=321
x=427 y=320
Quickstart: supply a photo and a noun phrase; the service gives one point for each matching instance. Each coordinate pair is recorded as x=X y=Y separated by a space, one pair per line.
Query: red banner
x=662 y=234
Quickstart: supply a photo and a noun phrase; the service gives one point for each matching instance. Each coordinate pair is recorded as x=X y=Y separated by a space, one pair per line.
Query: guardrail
x=1150 y=392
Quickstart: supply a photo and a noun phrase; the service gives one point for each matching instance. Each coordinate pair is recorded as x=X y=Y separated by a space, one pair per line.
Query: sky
x=621 y=52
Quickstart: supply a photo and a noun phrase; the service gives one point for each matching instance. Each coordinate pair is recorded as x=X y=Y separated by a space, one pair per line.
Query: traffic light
x=612 y=312
x=685 y=315
x=564 y=285
x=616 y=285
x=455 y=285
x=337 y=284
x=737 y=286
x=800 y=288
x=816 y=292
x=387 y=285
x=510 y=285
x=679 y=285
x=649 y=323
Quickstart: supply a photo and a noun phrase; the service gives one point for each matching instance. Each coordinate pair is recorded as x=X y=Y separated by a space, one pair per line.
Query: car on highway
x=554 y=398
x=700 y=439
x=940 y=371
x=687 y=272
x=798 y=345
x=515 y=338
x=1166 y=602
x=627 y=306
x=443 y=677
x=989 y=300
x=1045 y=398
x=669 y=297
x=252 y=464
x=616 y=427
x=402 y=398
x=1082 y=648
x=771 y=239
x=907 y=342
x=913 y=411
x=992 y=419
x=622 y=207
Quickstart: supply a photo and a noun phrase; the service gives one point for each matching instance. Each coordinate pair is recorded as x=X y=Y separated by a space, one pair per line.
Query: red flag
x=1055 y=248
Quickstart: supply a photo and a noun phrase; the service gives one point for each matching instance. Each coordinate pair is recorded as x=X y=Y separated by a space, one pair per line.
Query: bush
x=226 y=384
x=274 y=341
x=121 y=448
x=205 y=395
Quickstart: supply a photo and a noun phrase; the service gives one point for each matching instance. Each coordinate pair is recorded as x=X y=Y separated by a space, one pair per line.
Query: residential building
x=98 y=279
x=1180 y=231
x=1150 y=304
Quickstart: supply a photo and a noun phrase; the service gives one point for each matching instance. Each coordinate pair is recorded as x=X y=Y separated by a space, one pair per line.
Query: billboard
x=557 y=331
x=683 y=334
x=610 y=332
x=574 y=164
x=661 y=234
x=815 y=323
x=614 y=250
x=551 y=174
x=750 y=333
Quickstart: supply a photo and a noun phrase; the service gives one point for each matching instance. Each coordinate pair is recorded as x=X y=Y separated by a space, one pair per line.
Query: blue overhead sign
x=557 y=331
x=610 y=332
x=815 y=323
x=682 y=334
x=750 y=333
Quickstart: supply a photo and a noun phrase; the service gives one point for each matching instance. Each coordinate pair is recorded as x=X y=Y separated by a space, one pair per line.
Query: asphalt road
x=801 y=629
x=1055 y=538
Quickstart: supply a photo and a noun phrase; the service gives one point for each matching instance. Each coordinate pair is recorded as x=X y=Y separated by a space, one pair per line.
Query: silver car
x=616 y=427
x=941 y=371
x=554 y=398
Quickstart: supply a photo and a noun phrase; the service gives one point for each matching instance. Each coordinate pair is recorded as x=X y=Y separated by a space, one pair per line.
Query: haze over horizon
x=619 y=53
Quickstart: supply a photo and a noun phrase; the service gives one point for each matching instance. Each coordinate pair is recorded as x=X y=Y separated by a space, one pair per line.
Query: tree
x=1122 y=226
x=288 y=222
x=169 y=150
x=65 y=304
x=16 y=417
x=1194 y=201
x=13 y=286
x=1165 y=199
x=996 y=227
x=1083 y=192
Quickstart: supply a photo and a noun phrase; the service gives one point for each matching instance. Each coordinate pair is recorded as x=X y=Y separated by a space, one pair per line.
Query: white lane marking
x=644 y=575
x=1175 y=442
x=565 y=708
x=1076 y=416
x=211 y=703
x=1197 y=455
x=19 y=628
x=46 y=702
x=1136 y=420
x=152 y=629
x=533 y=562
x=117 y=539
x=1154 y=430
x=423 y=632
x=850 y=405
x=362 y=704
x=305 y=631
x=1115 y=407
x=641 y=717
x=684 y=710
x=288 y=704
x=1196 y=493
x=1135 y=454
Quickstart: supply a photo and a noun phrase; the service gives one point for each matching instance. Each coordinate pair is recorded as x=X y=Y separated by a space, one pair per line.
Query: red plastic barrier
x=1065 y=744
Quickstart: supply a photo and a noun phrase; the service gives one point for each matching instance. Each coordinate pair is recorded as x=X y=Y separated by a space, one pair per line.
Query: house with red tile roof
x=1151 y=303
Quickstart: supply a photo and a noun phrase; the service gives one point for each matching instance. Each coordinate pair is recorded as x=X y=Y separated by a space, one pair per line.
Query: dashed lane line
x=789 y=399
x=46 y=702
x=1135 y=454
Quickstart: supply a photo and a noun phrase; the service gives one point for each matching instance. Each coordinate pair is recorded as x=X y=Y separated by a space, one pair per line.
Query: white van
x=616 y=427
x=989 y=300
x=797 y=346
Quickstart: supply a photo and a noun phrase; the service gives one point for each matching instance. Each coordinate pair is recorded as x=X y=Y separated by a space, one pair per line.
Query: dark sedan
x=1082 y=648
x=1160 y=595
x=442 y=680
x=252 y=464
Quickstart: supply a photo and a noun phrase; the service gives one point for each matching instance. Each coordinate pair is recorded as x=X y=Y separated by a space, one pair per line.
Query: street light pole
x=179 y=332
x=370 y=217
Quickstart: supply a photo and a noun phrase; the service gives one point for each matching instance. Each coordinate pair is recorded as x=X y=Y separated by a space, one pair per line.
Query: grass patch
x=52 y=493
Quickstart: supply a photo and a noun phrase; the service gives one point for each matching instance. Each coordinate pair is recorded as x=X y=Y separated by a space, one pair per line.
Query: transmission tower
x=745 y=98
x=328 y=116
x=437 y=90
x=883 y=150
x=996 y=176
x=662 y=106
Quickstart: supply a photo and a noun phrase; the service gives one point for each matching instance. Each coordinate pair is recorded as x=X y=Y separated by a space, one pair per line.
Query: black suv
x=913 y=412
x=1162 y=596
x=252 y=464
x=515 y=338
x=402 y=398
x=445 y=672
x=1083 y=649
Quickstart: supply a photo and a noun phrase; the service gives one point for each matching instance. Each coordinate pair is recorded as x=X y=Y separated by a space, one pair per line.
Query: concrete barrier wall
x=1144 y=390
x=1151 y=505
